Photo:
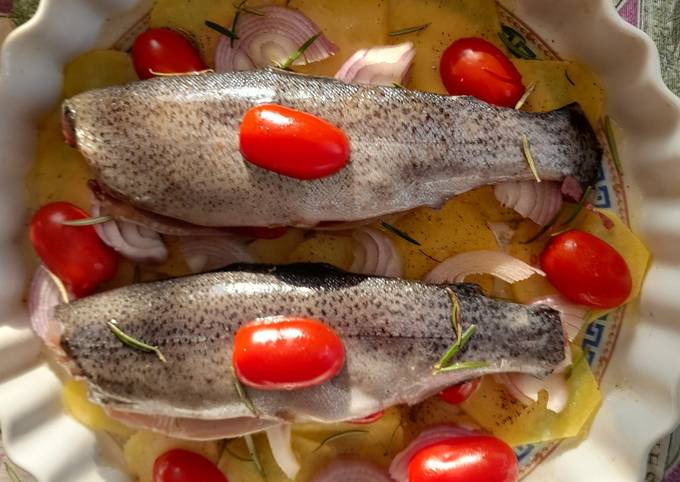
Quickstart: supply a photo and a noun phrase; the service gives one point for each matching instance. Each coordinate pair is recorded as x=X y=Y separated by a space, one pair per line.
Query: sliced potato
x=431 y=412
x=76 y=404
x=559 y=83
x=457 y=227
x=448 y=21
x=316 y=445
x=277 y=251
x=143 y=448
x=97 y=69
x=350 y=24
x=59 y=173
x=325 y=248
x=495 y=409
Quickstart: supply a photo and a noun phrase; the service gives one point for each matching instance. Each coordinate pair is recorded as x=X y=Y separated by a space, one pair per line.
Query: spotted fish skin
x=171 y=146
x=394 y=332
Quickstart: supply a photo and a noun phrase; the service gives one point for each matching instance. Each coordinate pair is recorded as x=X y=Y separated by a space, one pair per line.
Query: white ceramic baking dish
x=641 y=376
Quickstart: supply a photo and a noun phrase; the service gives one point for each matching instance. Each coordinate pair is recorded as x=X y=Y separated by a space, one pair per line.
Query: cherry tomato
x=587 y=270
x=370 y=419
x=473 y=66
x=473 y=458
x=179 y=465
x=457 y=394
x=75 y=254
x=165 y=51
x=287 y=353
x=258 y=232
x=293 y=143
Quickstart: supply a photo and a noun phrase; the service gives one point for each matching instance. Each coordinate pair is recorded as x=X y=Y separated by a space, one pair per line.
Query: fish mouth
x=68 y=125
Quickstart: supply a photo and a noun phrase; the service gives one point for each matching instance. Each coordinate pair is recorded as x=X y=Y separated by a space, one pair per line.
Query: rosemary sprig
x=579 y=207
x=180 y=74
x=398 y=232
x=338 y=435
x=527 y=93
x=466 y=365
x=87 y=221
x=250 y=443
x=296 y=55
x=408 y=30
x=462 y=337
x=455 y=348
x=223 y=30
x=611 y=141
x=455 y=313
x=566 y=74
x=133 y=342
x=588 y=314
x=241 y=391
x=543 y=230
x=234 y=454
x=388 y=448
x=529 y=158
x=11 y=473
x=59 y=284
x=237 y=14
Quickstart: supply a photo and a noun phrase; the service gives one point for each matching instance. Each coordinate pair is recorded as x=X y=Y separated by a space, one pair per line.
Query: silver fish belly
x=171 y=146
x=394 y=332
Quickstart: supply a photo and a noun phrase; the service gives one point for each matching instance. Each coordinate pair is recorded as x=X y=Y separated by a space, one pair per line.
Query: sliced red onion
x=206 y=253
x=270 y=39
x=573 y=316
x=572 y=189
x=131 y=240
x=44 y=294
x=526 y=388
x=346 y=469
x=280 y=444
x=399 y=465
x=382 y=65
x=538 y=201
x=496 y=263
x=374 y=253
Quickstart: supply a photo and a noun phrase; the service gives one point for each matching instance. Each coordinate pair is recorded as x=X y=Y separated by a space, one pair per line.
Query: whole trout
x=394 y=332
x=171 y=146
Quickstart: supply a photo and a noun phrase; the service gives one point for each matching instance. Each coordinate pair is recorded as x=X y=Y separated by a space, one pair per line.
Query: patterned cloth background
x=660 y=19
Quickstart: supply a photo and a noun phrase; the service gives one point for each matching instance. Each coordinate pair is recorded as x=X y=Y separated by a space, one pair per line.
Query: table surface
x=658 y=18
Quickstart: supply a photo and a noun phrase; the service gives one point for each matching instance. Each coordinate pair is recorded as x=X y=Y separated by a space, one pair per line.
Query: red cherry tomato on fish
x=457 y=394
x=259 y=232
x=179 y=465
x=474 y=458
x=75 y=254
x=370 y=419
x=292 y=143
x=587 y=270
x=473 y=66
x=287 y=353
x=165 y=51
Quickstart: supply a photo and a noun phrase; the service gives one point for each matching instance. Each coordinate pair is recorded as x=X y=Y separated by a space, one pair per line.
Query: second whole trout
x=170 y=146
x=394 y=332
